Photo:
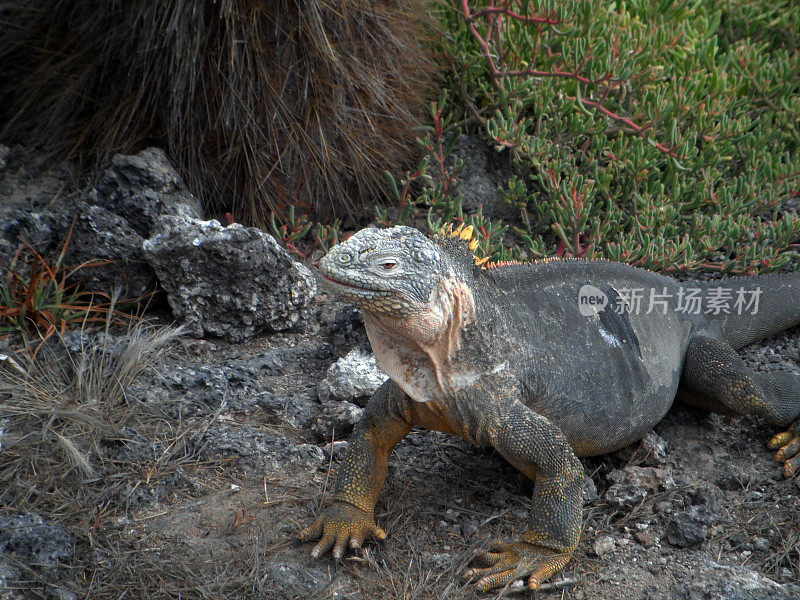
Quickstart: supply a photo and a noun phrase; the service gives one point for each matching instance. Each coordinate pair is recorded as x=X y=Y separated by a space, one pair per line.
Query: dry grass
x=58 y=414
x=58 y=408
x=262 y=104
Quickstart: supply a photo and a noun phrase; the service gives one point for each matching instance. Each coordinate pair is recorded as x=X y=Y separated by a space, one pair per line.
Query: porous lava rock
x=231 y=282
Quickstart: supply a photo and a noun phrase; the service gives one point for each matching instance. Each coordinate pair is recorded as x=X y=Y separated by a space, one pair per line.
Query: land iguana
x=545 y=361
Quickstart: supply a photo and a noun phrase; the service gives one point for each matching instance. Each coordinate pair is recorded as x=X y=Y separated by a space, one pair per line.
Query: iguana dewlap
x=545 y=361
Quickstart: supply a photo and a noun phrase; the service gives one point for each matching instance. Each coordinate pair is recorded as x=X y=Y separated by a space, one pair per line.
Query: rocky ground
x=241 y=428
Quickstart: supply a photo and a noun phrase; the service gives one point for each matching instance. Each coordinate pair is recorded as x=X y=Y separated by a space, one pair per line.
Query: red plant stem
x=620 y=119
x=790 y=176
x=487 y=53
x=505 y=11
x=496 y=74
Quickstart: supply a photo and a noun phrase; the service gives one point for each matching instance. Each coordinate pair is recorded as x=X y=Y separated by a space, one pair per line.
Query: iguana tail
x=758 y=307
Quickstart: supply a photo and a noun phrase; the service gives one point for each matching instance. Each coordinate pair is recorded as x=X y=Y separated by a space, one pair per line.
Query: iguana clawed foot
x=509 y=561
x=788 y=445
x=341 y=525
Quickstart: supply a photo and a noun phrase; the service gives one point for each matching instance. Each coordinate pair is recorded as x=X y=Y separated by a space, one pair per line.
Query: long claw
x=791 y=467
x=517 y=560
x=341 y=544
x=788 y=445
x=325 y=544
x=542 y=573
x=483 y=573
x=341 y=525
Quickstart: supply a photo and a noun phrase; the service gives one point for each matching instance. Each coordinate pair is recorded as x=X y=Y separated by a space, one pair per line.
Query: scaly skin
x=503 y=356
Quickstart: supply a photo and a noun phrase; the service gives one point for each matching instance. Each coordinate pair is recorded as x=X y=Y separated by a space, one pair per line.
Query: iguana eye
x=387 y=264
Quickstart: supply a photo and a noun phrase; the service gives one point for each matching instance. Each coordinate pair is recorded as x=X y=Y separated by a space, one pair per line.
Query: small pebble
x=604 y=545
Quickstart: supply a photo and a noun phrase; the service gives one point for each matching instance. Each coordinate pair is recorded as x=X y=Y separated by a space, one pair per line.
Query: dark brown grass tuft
x=262 y=104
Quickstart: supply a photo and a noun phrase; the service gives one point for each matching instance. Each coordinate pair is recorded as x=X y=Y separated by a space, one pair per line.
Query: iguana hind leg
x=538 y=449
x=716 y=377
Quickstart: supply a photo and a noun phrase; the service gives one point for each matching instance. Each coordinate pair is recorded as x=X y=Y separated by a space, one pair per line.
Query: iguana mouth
x=331 y=280
x=356 y=287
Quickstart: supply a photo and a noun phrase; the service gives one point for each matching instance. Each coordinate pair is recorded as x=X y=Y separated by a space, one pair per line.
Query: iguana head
x=388 y=271
x=414 y=293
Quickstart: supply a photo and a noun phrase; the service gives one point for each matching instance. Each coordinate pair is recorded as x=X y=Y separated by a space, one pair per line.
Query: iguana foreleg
x=350 y=518
x=714 y=374
x=538 y=449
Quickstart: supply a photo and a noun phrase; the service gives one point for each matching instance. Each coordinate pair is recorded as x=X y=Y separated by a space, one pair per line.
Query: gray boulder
x=5 y=154
x=100 y=236
x=109 y=227
x=347 y=387
x=604 y=545
x=295 y=581
x=625 y=496
x=631 y=485
x=232 y=282
x=589 y=490
x=485 y=172
x=142 y=187
x=42 y=230
x=689 y=528
x=336 y=420
x=651 y=451
x=9 y=581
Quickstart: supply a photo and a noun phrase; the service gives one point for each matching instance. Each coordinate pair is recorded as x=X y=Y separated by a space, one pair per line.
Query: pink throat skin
x=418 y=353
